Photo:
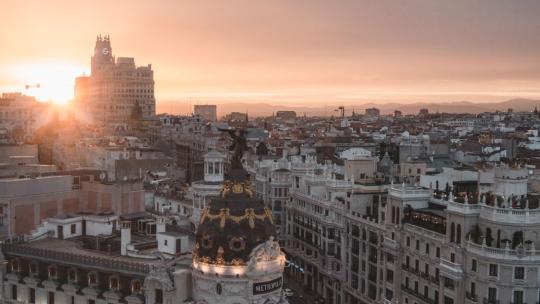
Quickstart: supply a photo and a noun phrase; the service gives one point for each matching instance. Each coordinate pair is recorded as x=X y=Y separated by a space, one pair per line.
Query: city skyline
x=284 y=53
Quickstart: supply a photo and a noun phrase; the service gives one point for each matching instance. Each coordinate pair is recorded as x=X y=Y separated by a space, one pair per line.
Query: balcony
x=472 y=297
x=409 y=193
x=463 y=208
x=531 y=255
x=390 y=244
x=451 y=270
x=510 y=215
x=417 y=294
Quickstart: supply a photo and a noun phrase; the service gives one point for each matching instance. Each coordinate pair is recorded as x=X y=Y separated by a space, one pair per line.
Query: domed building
x=236 y=257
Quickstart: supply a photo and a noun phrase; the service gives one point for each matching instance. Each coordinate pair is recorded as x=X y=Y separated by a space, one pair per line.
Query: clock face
x=105 y=51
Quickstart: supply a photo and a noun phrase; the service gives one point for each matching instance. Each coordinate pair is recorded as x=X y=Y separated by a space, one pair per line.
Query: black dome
x=233 y=224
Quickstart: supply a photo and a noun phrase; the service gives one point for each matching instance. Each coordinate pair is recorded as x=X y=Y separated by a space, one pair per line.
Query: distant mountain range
x=266 y=109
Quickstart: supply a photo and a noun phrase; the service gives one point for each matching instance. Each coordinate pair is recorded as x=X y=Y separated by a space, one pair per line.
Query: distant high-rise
x=115 y=86
x=206 y=112
x=423 y=112
x=373 y=112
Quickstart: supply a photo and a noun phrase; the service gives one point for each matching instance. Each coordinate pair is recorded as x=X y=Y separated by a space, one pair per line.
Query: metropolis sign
x=268 y=286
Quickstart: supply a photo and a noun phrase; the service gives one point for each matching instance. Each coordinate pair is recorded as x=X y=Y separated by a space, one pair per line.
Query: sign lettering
x=269 y=286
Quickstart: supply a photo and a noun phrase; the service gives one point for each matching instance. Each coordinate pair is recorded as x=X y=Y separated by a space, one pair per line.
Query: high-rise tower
x=102 y=57
x=115 y=87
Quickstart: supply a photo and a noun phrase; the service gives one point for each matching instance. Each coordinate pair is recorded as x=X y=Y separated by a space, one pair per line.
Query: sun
x=51 y=81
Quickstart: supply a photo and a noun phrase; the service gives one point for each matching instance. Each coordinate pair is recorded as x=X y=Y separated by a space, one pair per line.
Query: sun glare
x=48 y=81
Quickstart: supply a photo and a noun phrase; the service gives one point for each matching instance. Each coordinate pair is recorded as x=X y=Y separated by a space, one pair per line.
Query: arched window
x=33 y=268
x=458 y=234
x=72 y=276
x=114 y=283
x=92 y=279
x=14 y=265
x=452 y=232
x=136 y=286
x=53 y=272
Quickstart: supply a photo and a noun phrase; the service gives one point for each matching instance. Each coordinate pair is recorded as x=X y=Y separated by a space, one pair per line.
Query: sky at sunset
x=283 y=52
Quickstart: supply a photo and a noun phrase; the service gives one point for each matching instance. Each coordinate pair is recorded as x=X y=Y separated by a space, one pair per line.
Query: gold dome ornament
x=224 y=215
x=236 y=188
x=219 y=258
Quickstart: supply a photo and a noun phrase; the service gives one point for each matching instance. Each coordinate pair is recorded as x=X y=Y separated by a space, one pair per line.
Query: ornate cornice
x=224 y=215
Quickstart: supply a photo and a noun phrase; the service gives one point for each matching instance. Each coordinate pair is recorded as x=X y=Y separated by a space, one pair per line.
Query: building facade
x=117 y=90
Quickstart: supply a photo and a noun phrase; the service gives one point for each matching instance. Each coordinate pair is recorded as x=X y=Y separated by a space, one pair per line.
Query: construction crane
x=342 y=110
x=29 y=86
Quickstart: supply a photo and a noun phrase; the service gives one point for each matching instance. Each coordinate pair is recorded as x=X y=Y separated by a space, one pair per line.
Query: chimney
x=125 y=237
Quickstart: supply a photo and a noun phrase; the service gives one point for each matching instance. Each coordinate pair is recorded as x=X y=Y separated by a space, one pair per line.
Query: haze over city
x=302 y=53
x=269 y=152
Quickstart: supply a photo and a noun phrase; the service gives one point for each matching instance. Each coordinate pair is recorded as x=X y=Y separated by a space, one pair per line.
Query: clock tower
x=102 y=54
x=116 y=87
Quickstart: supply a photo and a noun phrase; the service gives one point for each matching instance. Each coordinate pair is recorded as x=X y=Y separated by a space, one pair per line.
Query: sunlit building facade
x=117 y=90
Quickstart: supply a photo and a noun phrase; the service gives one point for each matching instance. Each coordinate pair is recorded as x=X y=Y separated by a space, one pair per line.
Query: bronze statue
x=239 y=146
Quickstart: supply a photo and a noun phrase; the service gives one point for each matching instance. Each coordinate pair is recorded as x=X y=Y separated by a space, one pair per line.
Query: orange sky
x=290 y=52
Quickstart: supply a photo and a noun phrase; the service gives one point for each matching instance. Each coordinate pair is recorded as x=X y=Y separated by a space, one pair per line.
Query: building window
x=114 y=283
x=73 y=229
x=519 y=273
x=389 y=275
x=492 y=294
x=92 y=279
x=427 y=248
x=493 y=270
x=135 y=287
x=52 y=272
x=32 y=295
x=449 y=283
x=438 y=252
x=417 y=244
x=518 y=297
x=158 y=296
x=72 y=276
x=33 y=268
x=408 y=242
x=14 y=292
x=474 y=265
x=51 y=297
